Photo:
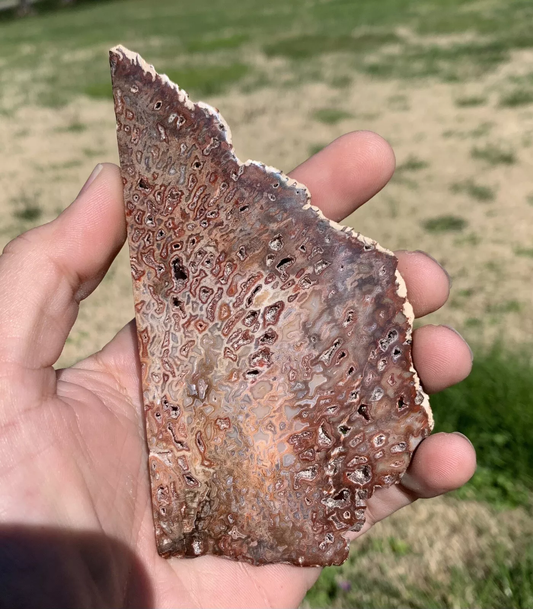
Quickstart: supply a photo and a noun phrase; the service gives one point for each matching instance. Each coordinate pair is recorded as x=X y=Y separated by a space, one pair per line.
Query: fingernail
x=461 y=337
x=450 y=281
x=91 y=178
x=458 y=433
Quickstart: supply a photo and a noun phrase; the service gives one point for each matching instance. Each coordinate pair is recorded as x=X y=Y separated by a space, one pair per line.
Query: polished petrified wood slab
x=275 y=346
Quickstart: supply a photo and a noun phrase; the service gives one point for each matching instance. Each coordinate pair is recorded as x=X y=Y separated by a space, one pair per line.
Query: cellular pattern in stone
x=275 y=348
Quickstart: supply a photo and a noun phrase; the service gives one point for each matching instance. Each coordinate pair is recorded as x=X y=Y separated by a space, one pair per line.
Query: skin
x=72 y=452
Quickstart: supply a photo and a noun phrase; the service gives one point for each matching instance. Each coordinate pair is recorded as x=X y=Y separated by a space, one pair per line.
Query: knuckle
x=26 y=242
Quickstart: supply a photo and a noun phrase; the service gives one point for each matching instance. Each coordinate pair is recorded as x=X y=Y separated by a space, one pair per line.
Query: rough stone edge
x=401 y=288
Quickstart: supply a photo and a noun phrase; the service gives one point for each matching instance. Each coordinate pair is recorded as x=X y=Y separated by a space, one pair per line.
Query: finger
x=347 y=173
x=442 y=463
x=46 y=272
x=428 y=284
x=120 y=359
x=441 y=357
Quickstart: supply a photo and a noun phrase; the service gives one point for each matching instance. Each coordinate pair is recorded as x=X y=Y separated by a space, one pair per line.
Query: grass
x=206 y=80
x=27 y=208
x=494 y=154
x=501 y=308
x=493 y=408
x=92 y=152
x=506 y=583
x=457 y=62
x=476 y=191
x=481 y=130
x=471 y=101
x=315 y=148
x=471 y=239
x=524 y=251
x=99 y=90
x=518 y=97
x=311 y=45
x=75 y=126
x=398 y=102
x=412 y=163
x=176 y=34
x=340 y=81
x=217 y=44
x=331 y=116
x=65 y=165
x=29 y=213
x=445 y=224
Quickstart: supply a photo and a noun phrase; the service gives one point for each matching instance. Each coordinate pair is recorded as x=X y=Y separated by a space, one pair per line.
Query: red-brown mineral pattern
x=279 y=391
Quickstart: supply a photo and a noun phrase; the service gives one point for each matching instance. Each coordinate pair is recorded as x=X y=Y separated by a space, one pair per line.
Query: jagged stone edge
x=401 y=288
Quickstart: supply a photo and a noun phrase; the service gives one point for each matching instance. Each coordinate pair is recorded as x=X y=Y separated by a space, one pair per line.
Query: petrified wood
x=275 y=345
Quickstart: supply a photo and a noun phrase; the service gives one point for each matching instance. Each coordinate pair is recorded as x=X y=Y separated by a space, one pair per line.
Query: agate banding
x=275 y=345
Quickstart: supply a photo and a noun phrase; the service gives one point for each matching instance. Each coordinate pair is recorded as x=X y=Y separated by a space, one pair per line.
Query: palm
x=77 y=460
x=90 y=440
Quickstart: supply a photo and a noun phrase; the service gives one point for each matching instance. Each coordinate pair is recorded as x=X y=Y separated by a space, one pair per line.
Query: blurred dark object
x=24 y=8
x=15 y=9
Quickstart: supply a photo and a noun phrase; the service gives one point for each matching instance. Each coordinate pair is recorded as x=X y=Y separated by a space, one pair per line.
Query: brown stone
x=275 y=345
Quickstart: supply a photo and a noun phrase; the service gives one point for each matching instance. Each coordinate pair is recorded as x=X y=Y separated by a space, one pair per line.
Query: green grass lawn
x=212 y=44
x=507 y=584
x=494 y=408
x=209 y=46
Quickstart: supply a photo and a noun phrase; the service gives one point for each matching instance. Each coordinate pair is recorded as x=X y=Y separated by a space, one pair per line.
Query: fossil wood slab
x=275 y=345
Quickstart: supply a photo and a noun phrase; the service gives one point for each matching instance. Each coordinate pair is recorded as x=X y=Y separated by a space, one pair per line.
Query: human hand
x=76 y=524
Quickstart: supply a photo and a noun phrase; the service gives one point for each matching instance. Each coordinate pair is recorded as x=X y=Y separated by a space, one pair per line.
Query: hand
x=76 y=523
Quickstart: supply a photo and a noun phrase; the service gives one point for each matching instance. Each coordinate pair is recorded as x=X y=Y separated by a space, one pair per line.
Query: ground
x=455 y=100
